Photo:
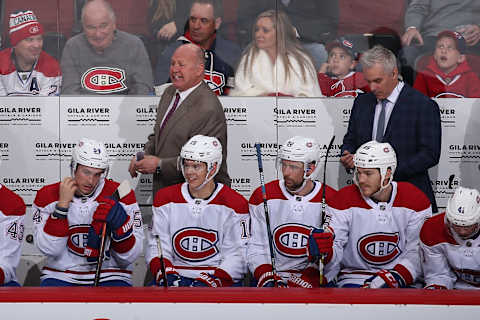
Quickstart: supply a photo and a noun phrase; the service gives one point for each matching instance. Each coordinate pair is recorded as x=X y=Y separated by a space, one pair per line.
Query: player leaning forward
x=376 y=225
x=69 y=216
x=295 y=208
x=201 y=225
x=451 y=244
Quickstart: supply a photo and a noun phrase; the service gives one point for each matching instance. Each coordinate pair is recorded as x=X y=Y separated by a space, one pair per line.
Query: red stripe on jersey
x=2 y=276
x=230 y=198
x=409 y=196
x=348 y=197
x=48 y=65
x=330 y=194
x=109 y=188
x=273 y=192
x=87 y=272
x=11 y=204
x=435 y=232
x=124 y=245
x=403 y=271
x=47 y=195
x=6 y=63
x=56 y=227
x=169 y=194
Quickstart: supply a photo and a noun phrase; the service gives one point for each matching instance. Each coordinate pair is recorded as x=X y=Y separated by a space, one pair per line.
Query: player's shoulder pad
x=48 y=65
x=231 y=199
x=47 y=195
x=109 y=188
x=434 y=231
x=11 y=204
x=409 y=196
x=348 y=197
x=273 y=192
x=330 y=193
x=169 y=194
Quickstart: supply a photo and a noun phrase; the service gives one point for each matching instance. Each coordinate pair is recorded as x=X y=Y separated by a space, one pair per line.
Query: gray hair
x=378 y=55
x=104 y=3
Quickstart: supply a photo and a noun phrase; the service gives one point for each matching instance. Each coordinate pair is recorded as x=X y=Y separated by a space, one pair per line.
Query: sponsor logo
x=88 y=116
x=291 y=239
x=447 y=116
x=4 y=151
x=104 y=80
x=146 y=115
x=463 y=153
x=48 y=150
x=236 y=116
x=379 y=248
x=333 y=154
x=20 y=116
x=25 y=186
x=444 y=188
x=242 y=185
x=123 y=151
x=216 y=81
x=195 y=244
x=297 y=116
x=248 y=152
x=144 y=190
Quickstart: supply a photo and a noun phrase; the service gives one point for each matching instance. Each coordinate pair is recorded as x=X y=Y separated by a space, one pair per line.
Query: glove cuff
x=124 y=231
x=404 y=274
x=223 y=276
x=264 y=274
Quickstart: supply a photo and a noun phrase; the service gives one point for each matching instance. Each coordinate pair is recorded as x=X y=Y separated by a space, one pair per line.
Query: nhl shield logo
x=104 y=80
x=379 y=248
x=195 y=244
x=291 y=239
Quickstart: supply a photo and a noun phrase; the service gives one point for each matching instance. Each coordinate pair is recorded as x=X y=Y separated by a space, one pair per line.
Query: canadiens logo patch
x=216 y=81
x=77 y=239
x=379 y=248
x=195 y=244
x=104 y=80
x=291 y=239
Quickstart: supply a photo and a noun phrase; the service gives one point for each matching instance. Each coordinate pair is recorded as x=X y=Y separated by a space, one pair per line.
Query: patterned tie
x=170 y=112
x=381 y=121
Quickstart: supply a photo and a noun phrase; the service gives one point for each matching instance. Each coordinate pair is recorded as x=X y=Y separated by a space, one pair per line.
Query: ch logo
x=379 y=248
x=104 y=80
x=291 y=239
x=195 y=244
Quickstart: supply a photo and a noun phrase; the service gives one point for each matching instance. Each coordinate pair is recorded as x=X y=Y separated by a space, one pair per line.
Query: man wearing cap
x=25 y=69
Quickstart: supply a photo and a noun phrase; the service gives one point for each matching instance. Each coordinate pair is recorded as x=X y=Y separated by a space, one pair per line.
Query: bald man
x=104 y=60
x=188 y=107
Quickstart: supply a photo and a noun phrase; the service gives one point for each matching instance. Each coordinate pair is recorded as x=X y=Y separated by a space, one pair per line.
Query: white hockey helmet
x=463 y=208
x=378 y=155
x=301 y=149
x=203 y=149
x=92 y=154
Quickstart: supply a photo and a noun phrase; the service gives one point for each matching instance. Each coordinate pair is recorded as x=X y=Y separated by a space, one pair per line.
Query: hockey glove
x=113 y=213
x=309 y=278
x=435 y=287
x=385 y=279
x=207 y=280
x=320 y=243
x=93 y=243
x=173 y=278
x=266 y=278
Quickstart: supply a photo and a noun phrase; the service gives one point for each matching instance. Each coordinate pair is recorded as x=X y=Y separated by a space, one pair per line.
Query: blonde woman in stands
x=275 y=63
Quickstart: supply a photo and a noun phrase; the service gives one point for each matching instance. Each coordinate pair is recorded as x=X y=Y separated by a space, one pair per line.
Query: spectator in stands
x=275 y=62
x=425 y=19
x=315 y=22
x=167 y=18
x=337 y=77
x=448 y=74
x=104 y=60
x=25 y=69
x=221 y=56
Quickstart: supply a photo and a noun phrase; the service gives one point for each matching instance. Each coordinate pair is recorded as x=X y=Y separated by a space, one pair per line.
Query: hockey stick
x=267 y=216
x=162 y=263
x=325 y=218
x=122 y=190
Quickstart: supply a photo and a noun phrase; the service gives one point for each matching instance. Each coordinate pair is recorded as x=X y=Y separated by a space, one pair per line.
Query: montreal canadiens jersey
x=350 y=86
x=12 y=214
x=200 y=235
x=44 y=80
x=292 y=218
x=371 y=236
x=63 y=242
x=449 y=260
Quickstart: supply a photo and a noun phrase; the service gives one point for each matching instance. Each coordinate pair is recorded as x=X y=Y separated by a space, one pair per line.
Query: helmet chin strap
x=204 y=182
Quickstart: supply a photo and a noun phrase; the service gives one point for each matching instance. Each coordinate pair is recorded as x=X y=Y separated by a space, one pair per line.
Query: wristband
x=60 y=213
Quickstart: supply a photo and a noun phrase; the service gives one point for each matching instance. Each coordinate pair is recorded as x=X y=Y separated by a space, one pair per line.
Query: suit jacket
x=413 y=130
x=200 y=113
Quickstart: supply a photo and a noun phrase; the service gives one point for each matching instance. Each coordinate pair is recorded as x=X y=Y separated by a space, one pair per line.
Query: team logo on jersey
x=215 y=80
x=291 y=239
x=77 y=239
x=379 y=248
x=104 y=80
x=195 y=244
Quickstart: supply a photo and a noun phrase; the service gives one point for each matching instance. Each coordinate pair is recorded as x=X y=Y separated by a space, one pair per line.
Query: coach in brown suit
x=187 y=108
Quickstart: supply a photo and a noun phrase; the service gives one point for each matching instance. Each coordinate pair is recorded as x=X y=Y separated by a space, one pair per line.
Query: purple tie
x=170 y=112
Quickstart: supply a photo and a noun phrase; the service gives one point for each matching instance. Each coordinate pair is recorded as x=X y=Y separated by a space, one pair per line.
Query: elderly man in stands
x=103 y=60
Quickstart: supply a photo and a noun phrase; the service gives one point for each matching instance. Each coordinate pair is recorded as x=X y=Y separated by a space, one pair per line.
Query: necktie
x=381 y=121
x=170 y=112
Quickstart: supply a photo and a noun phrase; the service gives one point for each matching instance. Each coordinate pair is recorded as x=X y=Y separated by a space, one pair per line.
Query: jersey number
x=244 y=226
x=16 y=231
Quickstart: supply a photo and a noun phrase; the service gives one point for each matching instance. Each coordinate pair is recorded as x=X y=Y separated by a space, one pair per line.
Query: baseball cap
x=23 y=24
x=459 y=39
x=345 y=44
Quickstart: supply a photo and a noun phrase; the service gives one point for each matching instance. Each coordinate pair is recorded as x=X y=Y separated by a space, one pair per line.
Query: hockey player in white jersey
x=199 y=228
x=69 y=216
x=294 y=204
x=12 y=214
x=375 y=224
x=25 y=69
x=450 y=244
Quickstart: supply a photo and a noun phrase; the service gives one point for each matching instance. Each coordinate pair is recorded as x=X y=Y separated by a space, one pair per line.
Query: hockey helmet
x=203 y=149
x=92 y=154
x=378 y=155
x=301 y=149
x=463 y=208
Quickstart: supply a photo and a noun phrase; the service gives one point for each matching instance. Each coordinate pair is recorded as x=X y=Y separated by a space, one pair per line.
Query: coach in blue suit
x=411 y=121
